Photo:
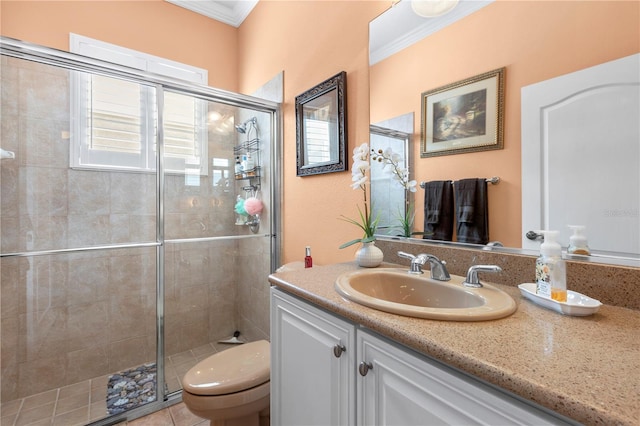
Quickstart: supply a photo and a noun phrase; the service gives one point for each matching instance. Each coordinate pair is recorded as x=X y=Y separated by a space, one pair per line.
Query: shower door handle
x=338 y=350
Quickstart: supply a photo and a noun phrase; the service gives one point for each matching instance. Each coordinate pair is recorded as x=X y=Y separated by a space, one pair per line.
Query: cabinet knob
x=338 y=349
x=364 y=368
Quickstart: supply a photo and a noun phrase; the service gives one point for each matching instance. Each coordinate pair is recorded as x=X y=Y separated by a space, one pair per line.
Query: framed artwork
x=466 y=116
x=321 y=127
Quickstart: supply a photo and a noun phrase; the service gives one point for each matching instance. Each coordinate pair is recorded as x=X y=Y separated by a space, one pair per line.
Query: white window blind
x=117 y=119
x=180 y=126
x=115 y=115
x=318 y=143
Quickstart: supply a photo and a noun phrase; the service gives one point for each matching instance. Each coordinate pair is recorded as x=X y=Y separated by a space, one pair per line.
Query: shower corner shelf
x=251 y=146
x=251 y=174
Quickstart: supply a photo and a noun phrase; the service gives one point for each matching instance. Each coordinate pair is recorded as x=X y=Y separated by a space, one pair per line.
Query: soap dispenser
x=578 y=241
x=551 y=270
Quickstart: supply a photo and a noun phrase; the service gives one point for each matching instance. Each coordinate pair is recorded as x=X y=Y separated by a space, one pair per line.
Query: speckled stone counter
x=586 y=368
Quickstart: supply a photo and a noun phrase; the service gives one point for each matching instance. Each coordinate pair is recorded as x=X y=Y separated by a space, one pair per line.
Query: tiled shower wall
x=69 y=317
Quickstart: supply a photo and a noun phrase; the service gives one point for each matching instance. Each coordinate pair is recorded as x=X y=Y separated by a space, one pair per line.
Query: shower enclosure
x=124 y=260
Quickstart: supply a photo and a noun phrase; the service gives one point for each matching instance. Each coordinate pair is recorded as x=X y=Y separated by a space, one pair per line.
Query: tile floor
x=176 y=415
x=82 y=403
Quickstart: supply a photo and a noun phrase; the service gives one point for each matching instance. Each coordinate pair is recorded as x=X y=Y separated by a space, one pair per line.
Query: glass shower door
x=79 y=247
x=217 y=256
x=123 y=257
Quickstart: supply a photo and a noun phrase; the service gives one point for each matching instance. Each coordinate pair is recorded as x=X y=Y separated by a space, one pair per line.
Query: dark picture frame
x=465 y=116
x=321 y=127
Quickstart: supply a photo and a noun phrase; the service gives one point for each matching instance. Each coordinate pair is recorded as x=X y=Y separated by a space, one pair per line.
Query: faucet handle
x=406 y=255
x=416 y=262
x=472 y=274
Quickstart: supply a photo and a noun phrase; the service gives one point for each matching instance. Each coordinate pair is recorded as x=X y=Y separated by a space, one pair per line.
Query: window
x=220 y=170
x=116 y=125
x=318 y=141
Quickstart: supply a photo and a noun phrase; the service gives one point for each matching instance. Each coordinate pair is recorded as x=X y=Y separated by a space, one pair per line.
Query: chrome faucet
x=438 y=267
x=472 y=274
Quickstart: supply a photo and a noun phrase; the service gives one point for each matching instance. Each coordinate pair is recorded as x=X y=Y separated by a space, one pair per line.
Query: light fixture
x=432 y=8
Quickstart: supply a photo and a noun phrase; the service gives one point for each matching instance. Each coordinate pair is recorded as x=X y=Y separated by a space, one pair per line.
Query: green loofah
x=240 y=207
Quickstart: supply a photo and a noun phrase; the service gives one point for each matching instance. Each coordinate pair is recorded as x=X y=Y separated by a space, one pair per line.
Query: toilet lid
x=232 y=370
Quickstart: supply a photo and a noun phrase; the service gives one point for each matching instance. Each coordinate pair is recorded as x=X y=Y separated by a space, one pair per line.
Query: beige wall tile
x=128 y=353
x=40 y=375
x=87 y=363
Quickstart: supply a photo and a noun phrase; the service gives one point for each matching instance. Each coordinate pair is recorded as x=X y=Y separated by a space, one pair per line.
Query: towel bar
x=494 y=180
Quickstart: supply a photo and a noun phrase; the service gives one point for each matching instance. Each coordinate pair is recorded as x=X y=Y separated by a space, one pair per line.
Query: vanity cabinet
x=316 y=357
x=401 y=387
x=312 y=359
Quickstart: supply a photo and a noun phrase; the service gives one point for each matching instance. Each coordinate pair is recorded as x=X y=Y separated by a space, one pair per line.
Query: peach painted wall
x=152 y=26
x=312 y=41
x=535 y=41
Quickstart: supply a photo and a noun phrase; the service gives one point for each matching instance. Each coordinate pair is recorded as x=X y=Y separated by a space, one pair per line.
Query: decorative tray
x=576 y=305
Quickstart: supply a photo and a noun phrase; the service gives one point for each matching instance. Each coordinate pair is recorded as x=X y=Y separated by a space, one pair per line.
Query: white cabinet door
x=401 y=388
x=312 y=382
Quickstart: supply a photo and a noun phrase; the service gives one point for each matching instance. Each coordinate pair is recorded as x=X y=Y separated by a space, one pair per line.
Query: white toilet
x=231 y=388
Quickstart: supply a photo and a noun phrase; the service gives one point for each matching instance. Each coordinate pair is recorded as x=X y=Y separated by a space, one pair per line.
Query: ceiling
x=391 y=32
x=400 y=27
x=232 y=12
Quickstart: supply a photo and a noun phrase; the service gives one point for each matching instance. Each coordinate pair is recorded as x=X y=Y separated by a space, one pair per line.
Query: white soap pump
x=551 y=270
x=578 y=241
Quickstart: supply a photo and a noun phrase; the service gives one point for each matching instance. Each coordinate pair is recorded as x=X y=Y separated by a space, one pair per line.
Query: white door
x=312 y=356
x=401 y=388
x=581 y=156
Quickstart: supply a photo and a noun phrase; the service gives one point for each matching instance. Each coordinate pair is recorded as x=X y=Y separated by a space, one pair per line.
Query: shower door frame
x=31 y=52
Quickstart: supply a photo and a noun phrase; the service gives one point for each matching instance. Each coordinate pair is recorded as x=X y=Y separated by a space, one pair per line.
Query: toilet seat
x=233 y=370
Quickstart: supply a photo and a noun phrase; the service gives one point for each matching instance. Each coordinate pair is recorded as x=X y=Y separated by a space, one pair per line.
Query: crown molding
x=231 y=12
x=400 y=27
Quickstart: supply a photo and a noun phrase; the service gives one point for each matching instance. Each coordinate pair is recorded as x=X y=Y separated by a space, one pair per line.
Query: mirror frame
x=337 y=83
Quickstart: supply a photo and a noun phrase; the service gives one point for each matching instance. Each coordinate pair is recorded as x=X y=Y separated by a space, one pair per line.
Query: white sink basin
x=395 y=290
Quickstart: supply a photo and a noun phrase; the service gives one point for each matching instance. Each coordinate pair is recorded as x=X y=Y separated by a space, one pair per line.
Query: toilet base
x=240 y=409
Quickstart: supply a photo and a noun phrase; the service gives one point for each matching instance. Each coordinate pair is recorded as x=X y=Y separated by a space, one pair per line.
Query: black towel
x=438 y=210
x=465 y=200
x=472 y=211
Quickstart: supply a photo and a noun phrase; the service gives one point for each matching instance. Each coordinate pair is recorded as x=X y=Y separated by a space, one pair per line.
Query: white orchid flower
x=361 y=152
x=367 y=223
x=357 y=184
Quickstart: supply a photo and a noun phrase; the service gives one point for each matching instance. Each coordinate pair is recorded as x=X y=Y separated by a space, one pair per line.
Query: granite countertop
x=586 y=368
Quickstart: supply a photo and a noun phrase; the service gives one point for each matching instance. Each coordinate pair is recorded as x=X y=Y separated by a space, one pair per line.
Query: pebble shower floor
x=131 y=388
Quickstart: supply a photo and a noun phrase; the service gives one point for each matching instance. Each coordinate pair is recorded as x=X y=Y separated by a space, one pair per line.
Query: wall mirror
x=321 y=127
x=392 y=82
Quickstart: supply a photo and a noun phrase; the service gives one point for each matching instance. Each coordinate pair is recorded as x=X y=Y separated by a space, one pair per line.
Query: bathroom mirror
x=321 y=127
x=390 y=87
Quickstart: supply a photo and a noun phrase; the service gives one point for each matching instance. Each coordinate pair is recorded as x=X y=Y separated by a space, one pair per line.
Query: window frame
x=81 y=157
